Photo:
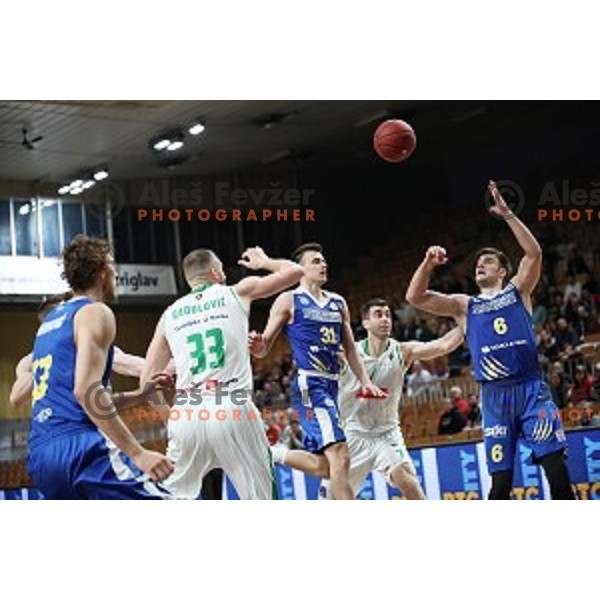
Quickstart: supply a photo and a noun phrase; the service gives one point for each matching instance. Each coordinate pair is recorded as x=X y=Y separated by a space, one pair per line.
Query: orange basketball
x=394 y=140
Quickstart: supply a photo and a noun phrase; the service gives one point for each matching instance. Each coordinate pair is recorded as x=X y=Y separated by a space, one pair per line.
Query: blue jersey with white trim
x=56 y=410
x=500 y=337
x=316 y=331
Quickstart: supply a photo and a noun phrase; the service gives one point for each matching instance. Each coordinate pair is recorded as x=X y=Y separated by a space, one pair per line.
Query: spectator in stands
x=451 y=420
x=548 y=348
x=581 y=389
x=558 y=388
x=540 y=312
x=420 y=382
x=589 y=416
x=459 y=401
x=584 y=323
x=474 y=417
x=566 y=338
x=573 y=288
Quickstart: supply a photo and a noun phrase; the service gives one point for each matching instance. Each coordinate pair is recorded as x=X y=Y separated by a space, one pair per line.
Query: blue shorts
x=519 y=409
x=84 y=466
x=315 y=399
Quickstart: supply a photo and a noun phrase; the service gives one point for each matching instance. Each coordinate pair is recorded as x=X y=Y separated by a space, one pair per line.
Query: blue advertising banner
x=454 y=472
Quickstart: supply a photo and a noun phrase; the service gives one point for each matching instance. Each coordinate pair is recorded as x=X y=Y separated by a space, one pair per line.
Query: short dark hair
x=83 y=259
x=49 y=302
x=502 y=258
x=365 y=309
x=308 y=247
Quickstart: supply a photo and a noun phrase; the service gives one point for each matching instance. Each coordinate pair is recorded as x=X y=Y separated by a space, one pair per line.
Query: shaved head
x=198 y=264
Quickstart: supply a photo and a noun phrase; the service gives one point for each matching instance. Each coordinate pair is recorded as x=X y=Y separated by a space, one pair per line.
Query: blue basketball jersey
x=500 y=337
x=316 y=331
x=56 y=410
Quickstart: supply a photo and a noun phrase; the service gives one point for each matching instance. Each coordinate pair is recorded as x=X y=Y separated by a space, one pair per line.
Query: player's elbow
x=293 y=274
x=414 y=298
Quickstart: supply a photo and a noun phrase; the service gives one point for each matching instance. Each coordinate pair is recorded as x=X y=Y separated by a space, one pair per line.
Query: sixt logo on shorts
x=497 y=431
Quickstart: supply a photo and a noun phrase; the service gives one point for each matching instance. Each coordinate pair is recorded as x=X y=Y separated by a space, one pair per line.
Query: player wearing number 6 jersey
x=318 y=326
x=499 y=330
x=216 y=424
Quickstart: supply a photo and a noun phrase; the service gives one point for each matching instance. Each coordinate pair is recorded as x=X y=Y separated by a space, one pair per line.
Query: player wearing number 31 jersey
x=216 y=424
x=515 y=400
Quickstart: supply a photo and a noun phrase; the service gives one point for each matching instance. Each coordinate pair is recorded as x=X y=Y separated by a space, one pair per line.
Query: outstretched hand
x=499 y=207
x=253 y=258
x=436 y=255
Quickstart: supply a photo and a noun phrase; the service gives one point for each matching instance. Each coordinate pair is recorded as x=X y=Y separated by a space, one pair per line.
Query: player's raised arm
x=284 y=273
x=354 y=360
x=421 y=297
x=94 y=330
x=427 y=350
x=530 y=267
x=22 y=388
x=260 y=343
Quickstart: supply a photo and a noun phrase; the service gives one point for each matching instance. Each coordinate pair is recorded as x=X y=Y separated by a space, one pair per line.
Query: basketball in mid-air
x=394 y=140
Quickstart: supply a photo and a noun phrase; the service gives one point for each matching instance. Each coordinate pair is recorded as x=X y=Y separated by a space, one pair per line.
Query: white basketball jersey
x=373 y=415
x=207 y=331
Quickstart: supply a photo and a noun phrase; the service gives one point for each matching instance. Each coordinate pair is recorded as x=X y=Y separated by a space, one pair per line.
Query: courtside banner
x=146 y=280
x=26 y=275
x=455 y=472
x=458 y=472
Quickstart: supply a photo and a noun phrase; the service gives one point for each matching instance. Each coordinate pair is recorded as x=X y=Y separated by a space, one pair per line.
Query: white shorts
x=223 y=437
x=375 y=452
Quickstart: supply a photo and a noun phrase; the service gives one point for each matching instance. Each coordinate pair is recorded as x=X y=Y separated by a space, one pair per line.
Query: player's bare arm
x=354 y=360
x=530 y=267
x=284 y=273
x=281 y=313
x=128 y=365
x=412 y=351
x=94 y=331
x=22 y=388
x=418 y=294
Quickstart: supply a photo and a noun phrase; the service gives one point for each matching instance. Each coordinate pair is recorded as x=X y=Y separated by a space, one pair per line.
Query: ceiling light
x=175 y=145
x=63 y=190
x=77 y=183
x=162 y=144
x=89 y=183
x=196 y=129
x=24 y=210
x=100 y=174
x=76 y=190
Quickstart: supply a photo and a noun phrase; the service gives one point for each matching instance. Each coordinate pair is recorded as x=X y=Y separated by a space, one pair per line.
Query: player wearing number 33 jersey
x=214 y=422
x=516 y=402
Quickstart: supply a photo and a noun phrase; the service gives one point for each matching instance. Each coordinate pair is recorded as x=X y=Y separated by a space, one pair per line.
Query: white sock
x=325 y=490
x=279 y=453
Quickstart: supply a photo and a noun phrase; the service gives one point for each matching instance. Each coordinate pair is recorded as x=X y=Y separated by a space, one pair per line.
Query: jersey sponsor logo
x=481 y=305
x=324 y=316
x=43 y=415
x=497 y=431
x=503 y=345
x=49 y=326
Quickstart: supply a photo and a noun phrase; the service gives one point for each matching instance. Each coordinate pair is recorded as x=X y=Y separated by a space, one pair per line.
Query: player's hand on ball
x=154 y=464
x=370 y=390
x=499 y=207
x=163 y=382
x=436 y=255
x=256 y=343
x=253 y=258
